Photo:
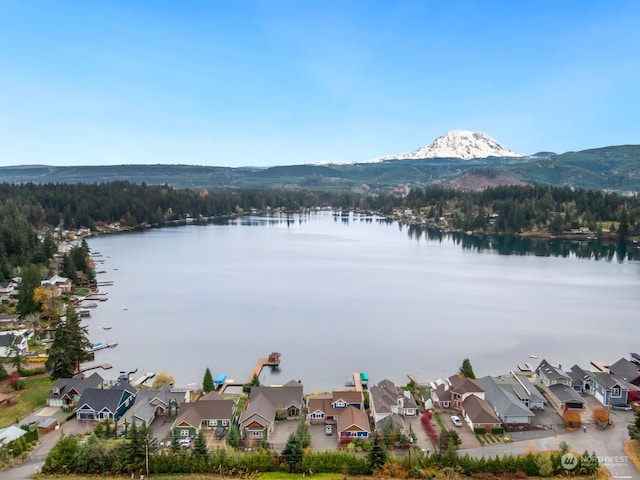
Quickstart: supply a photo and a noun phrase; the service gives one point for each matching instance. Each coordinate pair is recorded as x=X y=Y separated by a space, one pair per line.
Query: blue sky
x=286 y=82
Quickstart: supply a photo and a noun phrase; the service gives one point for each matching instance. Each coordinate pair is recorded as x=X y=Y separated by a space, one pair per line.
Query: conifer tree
x=207 y=382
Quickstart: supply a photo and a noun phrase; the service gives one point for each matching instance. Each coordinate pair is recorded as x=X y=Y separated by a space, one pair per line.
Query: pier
x=142 y=379
x=104 y=366
x=273 y=360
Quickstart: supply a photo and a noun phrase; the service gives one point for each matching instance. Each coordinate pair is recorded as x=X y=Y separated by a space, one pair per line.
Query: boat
x=106 y=328
x=533 y=356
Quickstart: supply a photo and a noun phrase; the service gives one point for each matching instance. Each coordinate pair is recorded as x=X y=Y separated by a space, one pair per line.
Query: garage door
x=599 y=396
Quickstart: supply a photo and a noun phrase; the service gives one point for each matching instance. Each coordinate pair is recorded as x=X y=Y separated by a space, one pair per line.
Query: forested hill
x=606 y=169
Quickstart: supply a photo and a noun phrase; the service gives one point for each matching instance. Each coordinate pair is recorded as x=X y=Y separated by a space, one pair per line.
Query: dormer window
x=616 y=391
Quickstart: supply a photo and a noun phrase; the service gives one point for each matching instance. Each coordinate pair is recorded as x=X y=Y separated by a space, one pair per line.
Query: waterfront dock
x=104 y=366
x=144 y=378
x=273 y=360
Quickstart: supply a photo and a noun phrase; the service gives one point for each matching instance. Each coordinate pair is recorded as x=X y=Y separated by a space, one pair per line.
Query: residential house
x=155 y=402
x=66 y=392
x=608 y=389
x=353 y=424
x=626 y=370
x=388 y=401
x=14 y=338
x=326 y=409
x=268 y=404
x=478 y=414
x=63 y=284
x=7 y=290
x=106 y=403
x=526 y=391
x=505 y=404
x=578 y=377
x=556 y=385
x=209 y=413
x=454 y=390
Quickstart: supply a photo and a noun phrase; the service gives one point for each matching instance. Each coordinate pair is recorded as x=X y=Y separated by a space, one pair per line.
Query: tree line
x=29 y=213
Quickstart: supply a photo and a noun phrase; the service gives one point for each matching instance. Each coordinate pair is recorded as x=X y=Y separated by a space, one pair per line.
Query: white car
x=328 y=430
x=456 y=421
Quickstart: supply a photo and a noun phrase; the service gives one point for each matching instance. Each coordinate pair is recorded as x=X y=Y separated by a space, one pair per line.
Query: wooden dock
x=104 y=366
x=273 y=360
x=357 y=382
x=142 y=379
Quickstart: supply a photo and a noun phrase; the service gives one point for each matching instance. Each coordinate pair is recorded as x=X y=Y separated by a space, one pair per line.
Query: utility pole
x=146 y=456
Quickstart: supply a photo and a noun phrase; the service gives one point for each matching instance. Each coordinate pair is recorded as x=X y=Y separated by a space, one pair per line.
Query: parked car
x=456 y=421
x=328 y=430
x=184 y=442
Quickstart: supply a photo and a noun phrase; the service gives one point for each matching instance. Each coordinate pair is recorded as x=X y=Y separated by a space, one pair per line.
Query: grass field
x=27 y=400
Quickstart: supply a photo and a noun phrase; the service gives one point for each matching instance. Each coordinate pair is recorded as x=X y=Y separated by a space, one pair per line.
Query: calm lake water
x=338 y=296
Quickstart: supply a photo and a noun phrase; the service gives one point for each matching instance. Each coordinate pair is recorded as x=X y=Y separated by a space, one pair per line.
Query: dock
x=142 y=379
x=104 y=366
x=356 y=381
x=273 y=360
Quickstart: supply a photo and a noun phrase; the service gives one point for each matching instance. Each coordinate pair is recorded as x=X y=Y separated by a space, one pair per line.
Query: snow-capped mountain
x=457 y=144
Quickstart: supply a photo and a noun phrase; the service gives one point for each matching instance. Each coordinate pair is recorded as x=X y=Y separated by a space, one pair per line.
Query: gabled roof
x=353 y=417
x=105 y=398
x=577 y=375
x=527 y=388
x=195 y=412
x=144 y=407
x=625 y=369
x=550 y=371
x=386 y=395
x=607 y=381
x=347 y=396
x=565 y=394
x=504 y=402
x=287 y=395
x=79 y=384
x=462 y=385
x=395 y=419
x=479 y=410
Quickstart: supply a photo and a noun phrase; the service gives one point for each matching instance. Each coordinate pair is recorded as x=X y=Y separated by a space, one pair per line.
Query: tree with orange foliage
x=601 y=415
x=571 y=418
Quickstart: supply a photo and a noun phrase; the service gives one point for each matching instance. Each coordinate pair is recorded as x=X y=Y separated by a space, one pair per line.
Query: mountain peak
x=461 y=144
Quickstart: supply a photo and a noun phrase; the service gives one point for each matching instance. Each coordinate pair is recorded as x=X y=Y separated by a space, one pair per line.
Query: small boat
x=533 y=356
x=106 y=328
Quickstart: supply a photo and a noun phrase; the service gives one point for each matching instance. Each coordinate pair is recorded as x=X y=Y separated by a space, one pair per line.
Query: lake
x=337 y=295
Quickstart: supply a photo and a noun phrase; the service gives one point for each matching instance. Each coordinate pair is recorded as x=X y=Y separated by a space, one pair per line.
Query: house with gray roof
x=626 y=370
x=557 y=388
x=106 y=403
x=155 y=402
x=525 y=390
x=268 y=404
x=66 y=392
x=507 y=407
x=609 y=390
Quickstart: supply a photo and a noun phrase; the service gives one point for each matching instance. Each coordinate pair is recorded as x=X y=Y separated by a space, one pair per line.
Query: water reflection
x=510 y=245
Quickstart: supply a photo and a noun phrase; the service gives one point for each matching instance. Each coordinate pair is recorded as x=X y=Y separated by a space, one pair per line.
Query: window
x=616 y=392
x=213 y=423
x=184 y=432
x=224 y=423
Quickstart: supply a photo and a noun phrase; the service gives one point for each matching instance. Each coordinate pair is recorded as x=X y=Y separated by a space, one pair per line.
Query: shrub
x=480 y=431
x=571 y=418
x=497 y=431
x=601 y=415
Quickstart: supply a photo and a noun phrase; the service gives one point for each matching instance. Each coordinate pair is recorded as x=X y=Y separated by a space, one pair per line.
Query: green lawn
x=29 y=399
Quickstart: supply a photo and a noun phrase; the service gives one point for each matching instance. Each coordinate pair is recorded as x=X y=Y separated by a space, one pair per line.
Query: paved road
x=605 y=443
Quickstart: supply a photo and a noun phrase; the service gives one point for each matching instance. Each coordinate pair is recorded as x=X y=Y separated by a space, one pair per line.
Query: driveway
x=320 y=441
x=281 y=432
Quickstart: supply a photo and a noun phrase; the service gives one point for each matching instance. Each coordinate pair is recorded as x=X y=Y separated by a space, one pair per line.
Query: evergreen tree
x=303 y=431
x=31 y=276
x=70 y=346
x=377 y=455
x=207 y=382
x=466 y=370
x=200 y=449
x=233 y=436
x=292 y=452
